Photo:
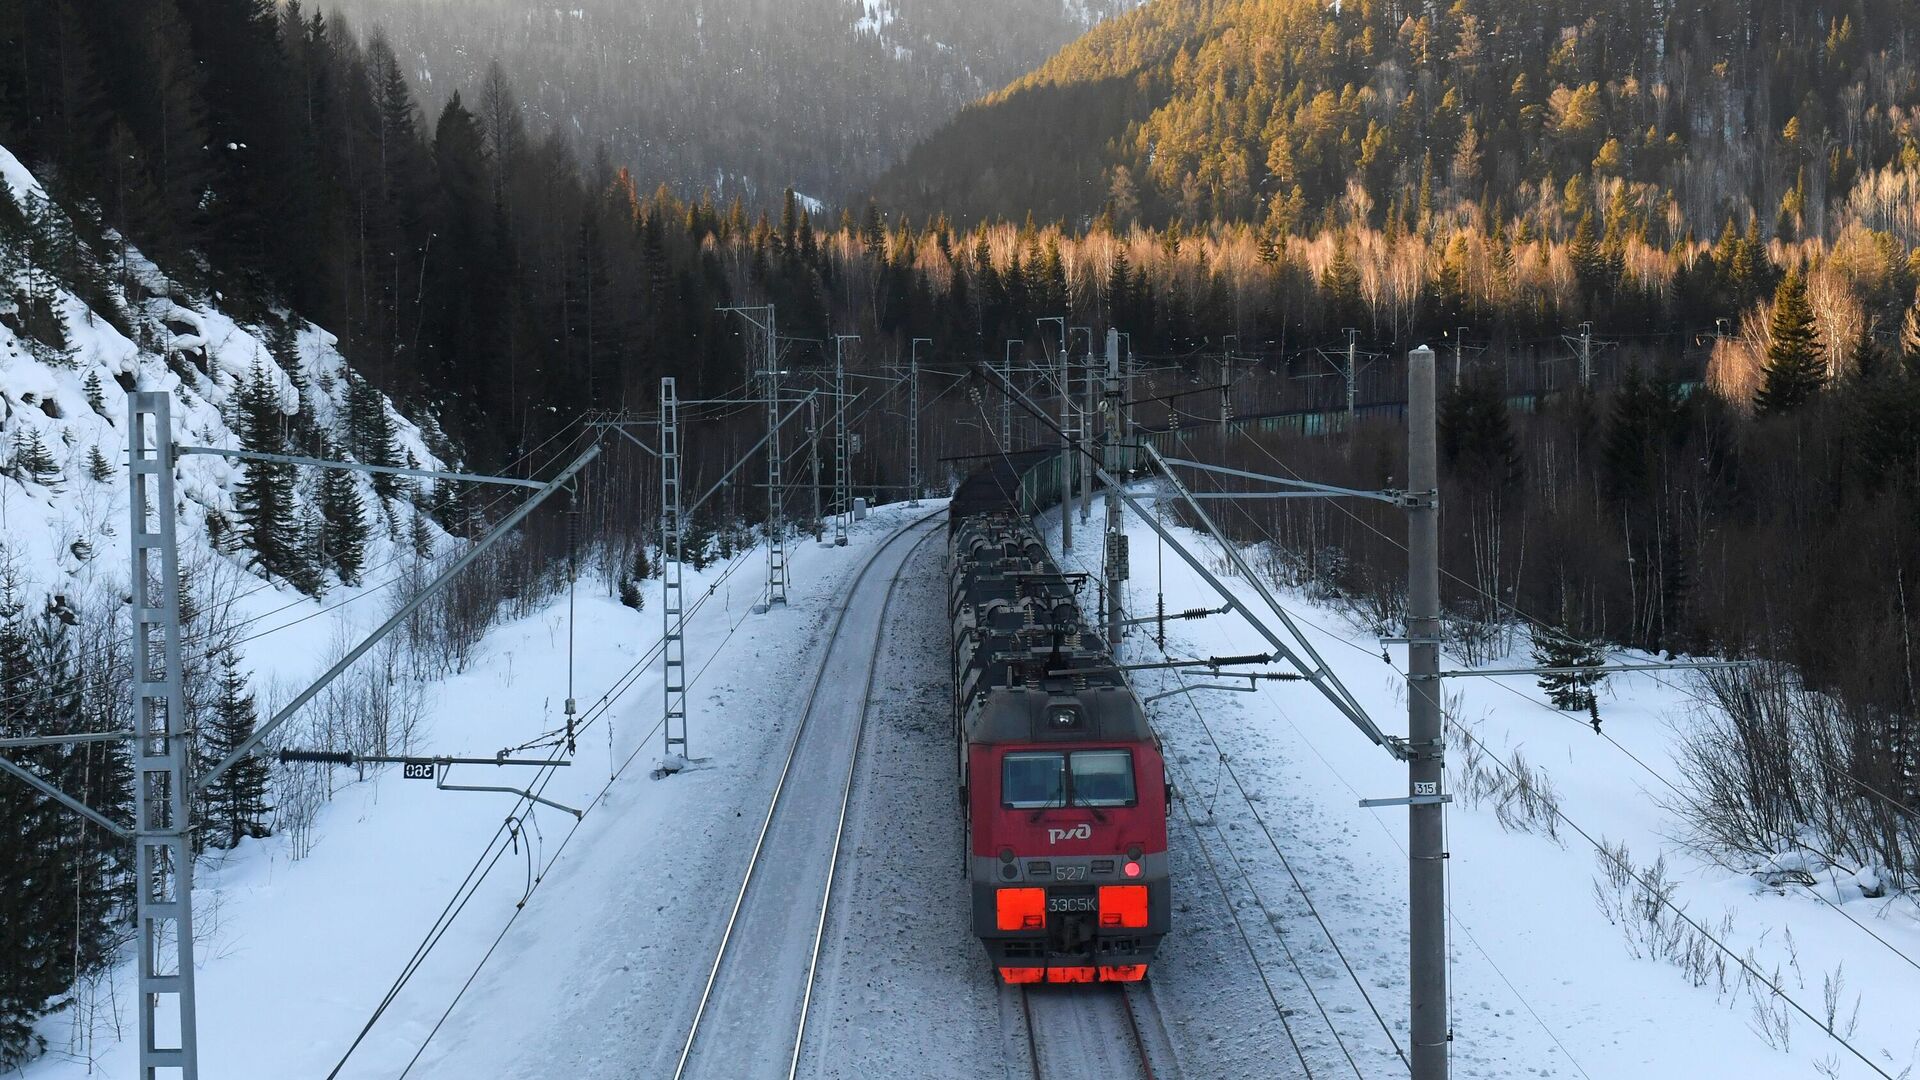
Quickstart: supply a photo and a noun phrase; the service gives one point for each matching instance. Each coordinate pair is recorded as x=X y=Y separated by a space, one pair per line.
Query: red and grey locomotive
x=1061 y=777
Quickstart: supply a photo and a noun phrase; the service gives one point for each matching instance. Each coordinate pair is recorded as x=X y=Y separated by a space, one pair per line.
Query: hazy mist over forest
x=745 y=96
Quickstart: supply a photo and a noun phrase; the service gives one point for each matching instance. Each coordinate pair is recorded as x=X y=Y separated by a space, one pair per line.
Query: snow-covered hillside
x=61 y=525
x=65 y=369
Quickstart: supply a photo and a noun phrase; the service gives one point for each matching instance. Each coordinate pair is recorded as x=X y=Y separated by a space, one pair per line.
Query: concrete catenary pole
x=1087 y=418
x=1427 y=877
x=1006 y=394
x=1353 y=376
x=1118 y=568
x=1061 y=374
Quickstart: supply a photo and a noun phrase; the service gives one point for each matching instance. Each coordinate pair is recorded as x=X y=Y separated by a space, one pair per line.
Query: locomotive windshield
x=1034 y=779
x=1102 y=777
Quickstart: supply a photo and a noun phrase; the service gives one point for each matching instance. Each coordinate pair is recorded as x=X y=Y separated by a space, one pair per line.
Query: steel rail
x=773 y=803
x=1102 y=994
x=1139 y=1039
x=846 y=792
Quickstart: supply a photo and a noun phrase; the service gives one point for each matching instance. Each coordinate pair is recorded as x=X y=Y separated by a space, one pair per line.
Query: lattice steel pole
x=813 y=459
x=163 y=849
x=913 y=420
x=841 y=510
x=673 y=656
x=776 y=519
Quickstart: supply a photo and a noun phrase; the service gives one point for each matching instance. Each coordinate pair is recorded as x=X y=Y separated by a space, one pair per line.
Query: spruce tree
x=695 y=542
x=1910 y=338
x=370 y=434
x=343 y=535
x=1637 y=429
x=420 y=533
x=236 y=802
x=637 y=571
x=265 y=499
x=96 y=394
x=35 y=946
x=99 y=774
x=99 y=469
x=1570 y=691
x=1795 y=370
x=1340 y=283
x=1584 y=252
x=31 y=461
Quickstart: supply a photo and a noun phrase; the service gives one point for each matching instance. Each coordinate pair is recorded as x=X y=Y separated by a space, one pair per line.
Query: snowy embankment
x=1554 y=971
x=298 y=953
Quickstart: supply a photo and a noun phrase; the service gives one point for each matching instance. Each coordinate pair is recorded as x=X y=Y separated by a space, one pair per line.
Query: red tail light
x=1123 y=973
x=1016 y=975
x=1021 y=909
x=1123 y=906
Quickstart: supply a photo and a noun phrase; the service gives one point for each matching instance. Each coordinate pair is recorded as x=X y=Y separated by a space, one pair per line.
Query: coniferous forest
x=1728 y=192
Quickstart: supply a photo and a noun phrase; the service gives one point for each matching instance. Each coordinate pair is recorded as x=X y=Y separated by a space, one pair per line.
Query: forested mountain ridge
x=744 y=96
x=1293 y=112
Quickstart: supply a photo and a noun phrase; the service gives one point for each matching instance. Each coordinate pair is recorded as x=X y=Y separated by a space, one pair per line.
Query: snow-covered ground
x=595 y=973
x=297 y=954
x=1543 y=982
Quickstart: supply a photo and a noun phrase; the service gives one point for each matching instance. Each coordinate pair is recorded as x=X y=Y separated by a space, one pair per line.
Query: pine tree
x=343 y=529
x=236 y=802
x=1795 y=371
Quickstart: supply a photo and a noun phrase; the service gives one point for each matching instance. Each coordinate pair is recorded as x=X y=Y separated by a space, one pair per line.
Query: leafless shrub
x=1522 y=796
x=1769 y=767
x=1640 y=902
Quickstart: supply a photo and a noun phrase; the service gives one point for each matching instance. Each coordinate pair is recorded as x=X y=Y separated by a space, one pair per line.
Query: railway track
x=1097 y=1032
x=763 y=968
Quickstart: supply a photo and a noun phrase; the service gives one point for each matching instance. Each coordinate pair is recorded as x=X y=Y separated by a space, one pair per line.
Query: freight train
x=1062 y=782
